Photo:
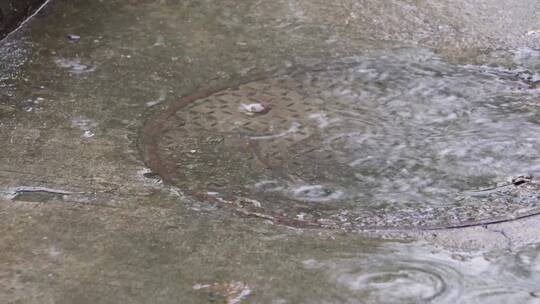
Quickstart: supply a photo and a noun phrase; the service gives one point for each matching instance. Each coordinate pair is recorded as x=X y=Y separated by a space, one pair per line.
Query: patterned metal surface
x=384 y=144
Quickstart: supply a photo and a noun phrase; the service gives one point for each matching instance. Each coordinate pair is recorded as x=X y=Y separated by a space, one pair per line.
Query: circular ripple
x=401 y=282
x=391 y=141
x=394 y=277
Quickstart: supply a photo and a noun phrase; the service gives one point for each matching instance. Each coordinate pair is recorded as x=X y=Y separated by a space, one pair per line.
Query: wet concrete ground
x=83 y=221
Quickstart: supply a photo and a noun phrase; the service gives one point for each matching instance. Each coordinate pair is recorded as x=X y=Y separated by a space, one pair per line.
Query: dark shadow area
x=14 y=12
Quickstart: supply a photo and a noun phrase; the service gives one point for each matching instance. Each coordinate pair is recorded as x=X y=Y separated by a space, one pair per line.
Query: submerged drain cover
x=387 y=142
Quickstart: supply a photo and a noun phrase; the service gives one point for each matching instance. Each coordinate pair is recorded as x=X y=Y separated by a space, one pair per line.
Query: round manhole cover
x=388 y=142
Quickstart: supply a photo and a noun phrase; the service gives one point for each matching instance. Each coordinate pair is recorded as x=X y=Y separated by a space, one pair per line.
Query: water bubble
x=315 y=193
x=73 y=65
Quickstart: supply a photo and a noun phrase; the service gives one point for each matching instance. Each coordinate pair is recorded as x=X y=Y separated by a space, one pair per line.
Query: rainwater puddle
x=422 y=274
x=395 y=140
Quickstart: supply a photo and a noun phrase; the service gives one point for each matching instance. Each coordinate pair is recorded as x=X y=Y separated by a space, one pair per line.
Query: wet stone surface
x=396 y=140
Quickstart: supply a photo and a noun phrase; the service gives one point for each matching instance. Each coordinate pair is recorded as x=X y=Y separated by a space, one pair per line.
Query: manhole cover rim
x=156 y=126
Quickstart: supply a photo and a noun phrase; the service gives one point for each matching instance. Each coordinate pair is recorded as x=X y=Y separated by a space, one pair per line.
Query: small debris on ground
x=232 y=292
x=243 y=202
x=73 y=37
x=522 y=179
x=255 y=108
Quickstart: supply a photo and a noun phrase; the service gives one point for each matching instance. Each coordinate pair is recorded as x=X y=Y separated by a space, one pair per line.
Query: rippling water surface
x=390 y=140
x=422 y=274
